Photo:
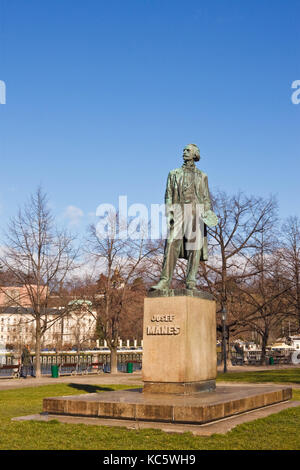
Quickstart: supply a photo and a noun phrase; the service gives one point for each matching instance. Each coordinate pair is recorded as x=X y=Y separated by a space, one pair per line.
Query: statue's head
x=191 y=152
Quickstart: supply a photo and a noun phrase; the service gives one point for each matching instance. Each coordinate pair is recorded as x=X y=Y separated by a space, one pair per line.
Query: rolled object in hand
x=210 y=218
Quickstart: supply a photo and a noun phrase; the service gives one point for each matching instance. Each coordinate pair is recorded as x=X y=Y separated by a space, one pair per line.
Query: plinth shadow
x=91 y=388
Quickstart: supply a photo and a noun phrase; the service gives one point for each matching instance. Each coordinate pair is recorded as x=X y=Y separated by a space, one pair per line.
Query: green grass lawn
x=279 y=431
x=275 y=376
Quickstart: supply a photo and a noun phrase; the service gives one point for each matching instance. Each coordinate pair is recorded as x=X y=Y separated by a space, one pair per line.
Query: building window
x=12 y=297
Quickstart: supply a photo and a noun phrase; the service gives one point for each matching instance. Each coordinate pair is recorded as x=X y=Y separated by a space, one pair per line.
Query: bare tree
x=263 y=298
x=234 y=239
x=232 y=243
x=118 y=294
x=291 y=263
x=38 y=256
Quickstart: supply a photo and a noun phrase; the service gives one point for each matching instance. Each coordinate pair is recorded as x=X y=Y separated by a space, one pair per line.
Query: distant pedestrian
x=27 y=366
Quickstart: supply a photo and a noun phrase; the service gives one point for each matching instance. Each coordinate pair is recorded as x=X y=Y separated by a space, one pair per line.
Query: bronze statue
x=188 y=210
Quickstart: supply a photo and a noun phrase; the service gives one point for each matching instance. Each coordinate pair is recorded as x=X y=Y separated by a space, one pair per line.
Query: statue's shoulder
x=201 y=173
x=176 y=171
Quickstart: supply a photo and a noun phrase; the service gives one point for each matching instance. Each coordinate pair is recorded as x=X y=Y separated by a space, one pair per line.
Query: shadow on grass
x=97 y=388
x=91 y=388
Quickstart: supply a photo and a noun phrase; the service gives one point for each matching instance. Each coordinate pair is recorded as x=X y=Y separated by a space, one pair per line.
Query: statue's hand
x=210 y=218
x=170 y=219
x=169 y=216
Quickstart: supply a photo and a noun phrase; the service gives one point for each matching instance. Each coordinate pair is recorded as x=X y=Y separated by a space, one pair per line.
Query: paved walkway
x=97 y=379
x=121 y=378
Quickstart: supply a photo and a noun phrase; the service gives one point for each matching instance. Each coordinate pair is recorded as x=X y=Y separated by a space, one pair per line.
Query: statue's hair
x=196 y=152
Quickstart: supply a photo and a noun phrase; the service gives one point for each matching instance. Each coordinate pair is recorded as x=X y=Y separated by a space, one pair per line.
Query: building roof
x=26 y=310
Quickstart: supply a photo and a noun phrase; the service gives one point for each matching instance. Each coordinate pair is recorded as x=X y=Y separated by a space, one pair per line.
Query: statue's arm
x=206 y=195
x=169 y=198
x=209 y=217
x=168 y=193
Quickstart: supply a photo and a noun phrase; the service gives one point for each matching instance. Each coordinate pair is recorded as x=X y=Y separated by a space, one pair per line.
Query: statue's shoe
x=191 y=286
x=162 y=285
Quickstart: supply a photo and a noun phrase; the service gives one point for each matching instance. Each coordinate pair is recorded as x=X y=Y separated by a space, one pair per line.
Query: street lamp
x=224 y=318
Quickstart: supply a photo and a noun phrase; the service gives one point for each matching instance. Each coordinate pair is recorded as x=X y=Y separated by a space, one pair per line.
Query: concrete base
x=181 y=388
x=179 y=344
x=201 y=408
x=179 y=293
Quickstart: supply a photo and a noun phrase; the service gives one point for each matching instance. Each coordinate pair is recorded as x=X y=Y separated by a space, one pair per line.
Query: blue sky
x=103 y=96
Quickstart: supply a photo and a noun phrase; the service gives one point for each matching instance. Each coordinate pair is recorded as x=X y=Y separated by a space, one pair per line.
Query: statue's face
x=188 y=153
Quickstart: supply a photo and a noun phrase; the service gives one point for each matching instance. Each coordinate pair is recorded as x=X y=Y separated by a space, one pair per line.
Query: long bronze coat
x=174 y=195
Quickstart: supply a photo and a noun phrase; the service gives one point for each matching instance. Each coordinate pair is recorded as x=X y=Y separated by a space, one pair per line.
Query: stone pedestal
x=179 y=360
x=227 y=400
x=179 y=343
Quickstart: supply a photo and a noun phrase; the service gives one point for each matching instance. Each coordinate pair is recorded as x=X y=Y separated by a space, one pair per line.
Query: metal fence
x=78 y=362
x=254 y=358
x=94 y=362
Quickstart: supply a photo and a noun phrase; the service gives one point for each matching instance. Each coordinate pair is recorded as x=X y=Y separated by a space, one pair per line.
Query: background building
x=69 y=327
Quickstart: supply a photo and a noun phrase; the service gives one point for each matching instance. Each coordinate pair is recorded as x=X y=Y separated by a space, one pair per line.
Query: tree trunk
x=228 y=343
x=38 y=350
x=113 y=360
x=265 y=338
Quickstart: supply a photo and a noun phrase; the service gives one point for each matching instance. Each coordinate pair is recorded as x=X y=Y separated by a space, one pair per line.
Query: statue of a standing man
x=188 y=210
